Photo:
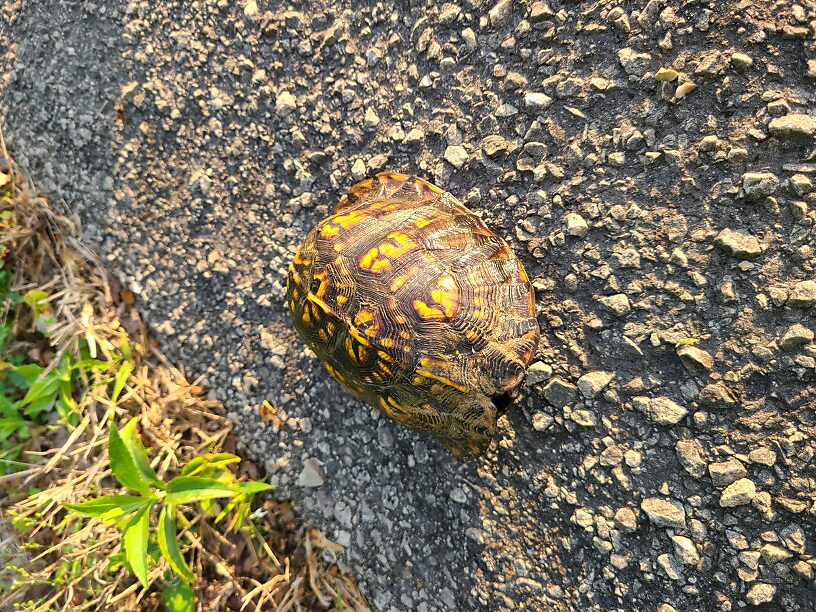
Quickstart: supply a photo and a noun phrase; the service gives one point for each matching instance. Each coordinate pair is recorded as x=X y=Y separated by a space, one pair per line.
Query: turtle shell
x=417 y=308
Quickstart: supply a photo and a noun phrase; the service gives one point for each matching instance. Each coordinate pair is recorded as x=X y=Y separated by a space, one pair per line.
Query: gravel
x=199 y=142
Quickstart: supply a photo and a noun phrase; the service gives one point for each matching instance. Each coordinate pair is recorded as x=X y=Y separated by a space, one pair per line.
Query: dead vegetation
x=57 y=560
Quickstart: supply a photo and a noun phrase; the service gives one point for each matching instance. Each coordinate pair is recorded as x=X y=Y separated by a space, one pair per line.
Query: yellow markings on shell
x=367 y=259
x=356 y=352
x=428 y=313
x=355 y=333
x=401 y=320
x=400 y=244
x=323 y=288
x=398 y=282
x=447 y=295
x=422 y=222
x=398 y=177
x=347 y=220
x=318 y=303
x=381 y=257
x=523 y=274
x=423 y=187
x=405 y=336
x=341 y=299
x=364 y=316
x=335 y=374
x=387 y=343
x=329 y=231
x=418 y=381
x=384 y=366
x=331 y=328
x=442 y=379
x=393 y=408
x=299 y=260
x=380 y=264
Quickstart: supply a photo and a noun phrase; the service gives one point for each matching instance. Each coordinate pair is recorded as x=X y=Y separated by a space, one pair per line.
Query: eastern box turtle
x=417 y=308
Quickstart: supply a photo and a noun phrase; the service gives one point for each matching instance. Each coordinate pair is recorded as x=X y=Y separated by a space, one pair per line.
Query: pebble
x=358 y=170
x=684 y=89
x=796 y=336
x=760 y=593
x=793 y=127
x=666 y=75
x=634 y=63
x=285 y=103
x=537 y=373
x=803 y=294
x=664 y=512
x=592 y=383
x=415 y=136
x=738 y=493
x=724 y=473
x=695 y=359
x=456 y=156
x=499 y=14
x=763 y=456
x=371 y=120
x=772 y=553
x=495 y=145
x=670 y=566
x=617 y=304
x=576 y=225
x=758 y=185
x=685 y=550
x=741 y=61
x=536 y=101
x=541 y=421
x=738 y=244
x=660 y=410
x=691 y=454
x=559 y=393
x=626 y=520
x=311 y=475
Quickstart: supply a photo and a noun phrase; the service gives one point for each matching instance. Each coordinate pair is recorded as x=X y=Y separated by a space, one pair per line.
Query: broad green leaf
x=92 y=364
x=105 y=505
x=178 y=595
x=9 y=424
x=128 y=460
x=121 y=378
x=135 y=538
x=169 y=545
x=193 y=466
x=8 y=408
x=235 y=501
x=198 y=464
x=188 y=489
x=125 y=347
x=66 y=406
x=35 y=299
x=253 y=486
x=29 y=371
x=43 y=391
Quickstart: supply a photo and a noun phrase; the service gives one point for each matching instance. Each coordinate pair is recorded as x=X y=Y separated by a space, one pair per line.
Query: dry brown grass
x=277 y=563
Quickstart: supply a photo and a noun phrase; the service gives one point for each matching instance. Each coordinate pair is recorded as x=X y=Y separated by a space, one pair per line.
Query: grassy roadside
x=163 y=510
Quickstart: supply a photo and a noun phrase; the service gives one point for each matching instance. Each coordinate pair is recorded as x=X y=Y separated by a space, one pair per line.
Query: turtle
x=416 y=308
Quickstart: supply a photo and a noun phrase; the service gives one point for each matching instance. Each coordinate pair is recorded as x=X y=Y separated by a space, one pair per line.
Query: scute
x=416 y=307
